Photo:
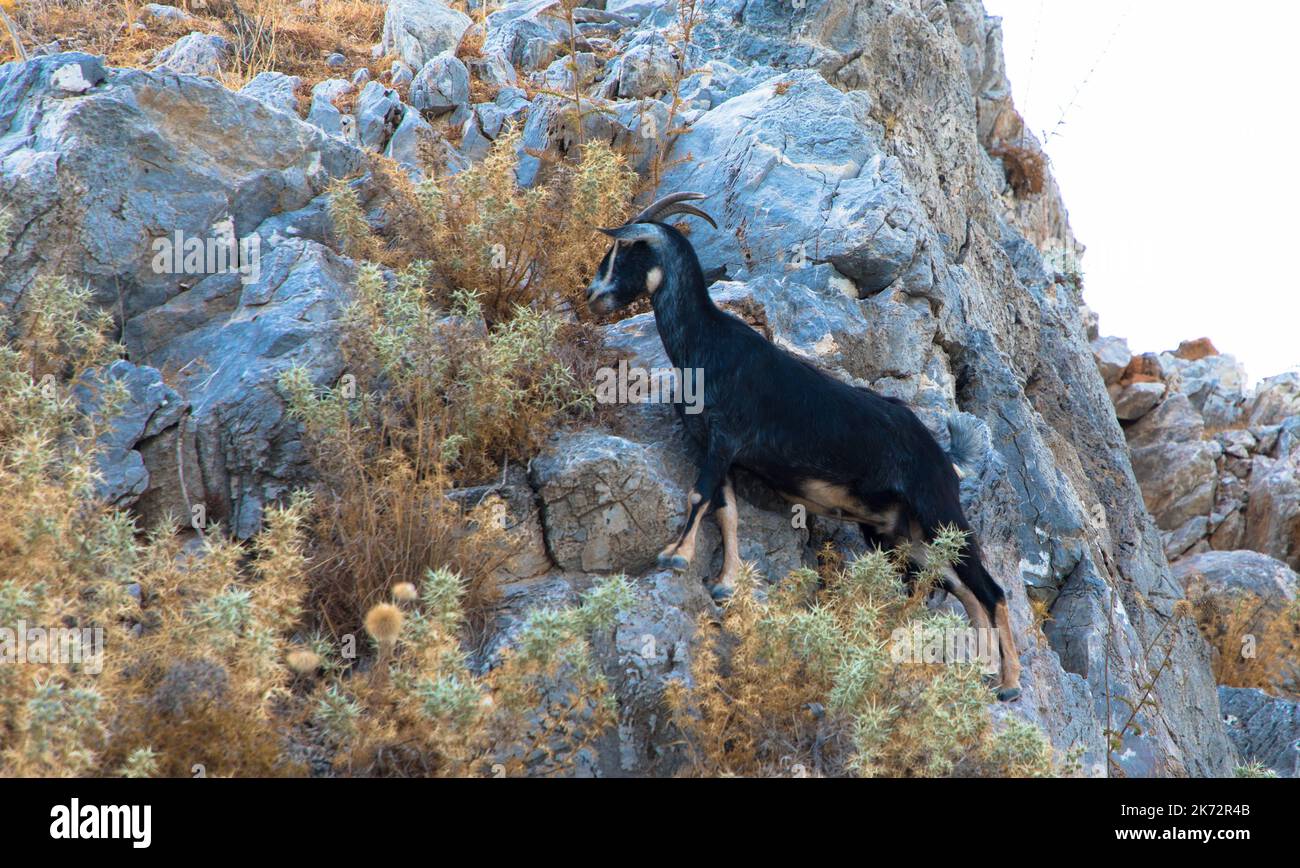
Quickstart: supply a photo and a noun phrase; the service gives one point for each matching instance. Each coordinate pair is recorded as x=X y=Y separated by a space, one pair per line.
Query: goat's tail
x=968 y=444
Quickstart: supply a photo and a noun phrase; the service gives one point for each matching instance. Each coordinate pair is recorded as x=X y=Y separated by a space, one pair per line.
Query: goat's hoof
x=1008 y=694
x=676 y=563
x=721 y=593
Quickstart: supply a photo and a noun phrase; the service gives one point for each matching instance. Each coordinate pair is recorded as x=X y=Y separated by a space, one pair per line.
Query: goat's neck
x=683 y=313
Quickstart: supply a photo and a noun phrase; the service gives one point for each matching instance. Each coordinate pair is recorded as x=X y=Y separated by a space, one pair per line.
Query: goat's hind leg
x=728 y=516
x=987 y=608
x=1010 y=689
x=984 y=601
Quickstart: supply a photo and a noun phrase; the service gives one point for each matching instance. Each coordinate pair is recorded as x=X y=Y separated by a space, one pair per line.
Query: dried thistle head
x=384 y=623
x=302 y=661
x=405 y=592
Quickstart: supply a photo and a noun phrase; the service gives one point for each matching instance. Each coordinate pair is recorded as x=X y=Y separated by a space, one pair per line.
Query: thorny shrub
x=801 y=681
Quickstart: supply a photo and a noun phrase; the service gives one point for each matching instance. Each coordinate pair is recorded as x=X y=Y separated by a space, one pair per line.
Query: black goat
x=840 y=450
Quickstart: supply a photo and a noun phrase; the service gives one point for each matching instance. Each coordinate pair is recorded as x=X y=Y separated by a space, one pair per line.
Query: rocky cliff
x=1217 y=463
x=881 y=208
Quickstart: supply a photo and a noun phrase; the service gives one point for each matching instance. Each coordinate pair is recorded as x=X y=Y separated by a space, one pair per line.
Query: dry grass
x=534 y=247
x=458 y=367
x=481 y=232
x=1256 y=644
x=1026 y=168
x=267 y=34
x=428 y=401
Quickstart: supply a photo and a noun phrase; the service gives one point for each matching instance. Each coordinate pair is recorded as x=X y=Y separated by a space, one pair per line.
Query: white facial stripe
x=613 y=255
x=653 y=278
x=604 y=285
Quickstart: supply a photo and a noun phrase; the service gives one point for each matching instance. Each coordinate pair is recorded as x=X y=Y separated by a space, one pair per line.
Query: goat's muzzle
x=600 y=298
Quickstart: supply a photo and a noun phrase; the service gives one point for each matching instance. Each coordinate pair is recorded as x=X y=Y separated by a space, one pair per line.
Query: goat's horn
x=673 y=204
x=687 y=209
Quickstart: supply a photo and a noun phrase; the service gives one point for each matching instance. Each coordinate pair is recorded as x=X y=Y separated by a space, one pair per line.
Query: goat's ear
x=646 y=232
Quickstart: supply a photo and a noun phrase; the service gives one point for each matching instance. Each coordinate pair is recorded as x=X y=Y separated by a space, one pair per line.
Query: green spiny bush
x=426 y=712
x=1253 y=770
x=803 y=681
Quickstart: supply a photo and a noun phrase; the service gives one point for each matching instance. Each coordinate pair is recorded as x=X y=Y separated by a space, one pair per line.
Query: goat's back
x=787 y=417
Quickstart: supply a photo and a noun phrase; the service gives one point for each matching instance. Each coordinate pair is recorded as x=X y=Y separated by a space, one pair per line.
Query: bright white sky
x=1177 y=160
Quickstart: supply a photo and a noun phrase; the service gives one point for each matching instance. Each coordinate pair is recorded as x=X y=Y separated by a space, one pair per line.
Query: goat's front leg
x=679 y=553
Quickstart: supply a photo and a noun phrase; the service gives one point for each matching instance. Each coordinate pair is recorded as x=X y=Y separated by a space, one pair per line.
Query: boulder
x=608 y=504
x=1224 y=574
x=1229 y=530
x=417 y=30
x=379 y=111
x=196 y=54
x=324 y=113
x=1188 y=538
x=886 y=336
x=1175 y=466
x=1276 y=399
x=164 y=13
x=559 y=75
x=514 y=506
x=78 y=75
x=1195 y=349
x=652 y=645
x=1143 y=368
x=1286 y=447
x=413 y=143
x=551 y=132
x=442 y=86
x=1136 y=399
x=98 y=199
x=150 y=407
x=1237 y=442
x=1273 y=509
x=1112 y=355
x=511 y=106
x=801 y=154
x=1265 y=729
x=230 y=341
x=1215 y=384
x=643 y=70
x=101 y=200
x=492 y=70
x=275 y=89
x=526 y=33
x=400 y=74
